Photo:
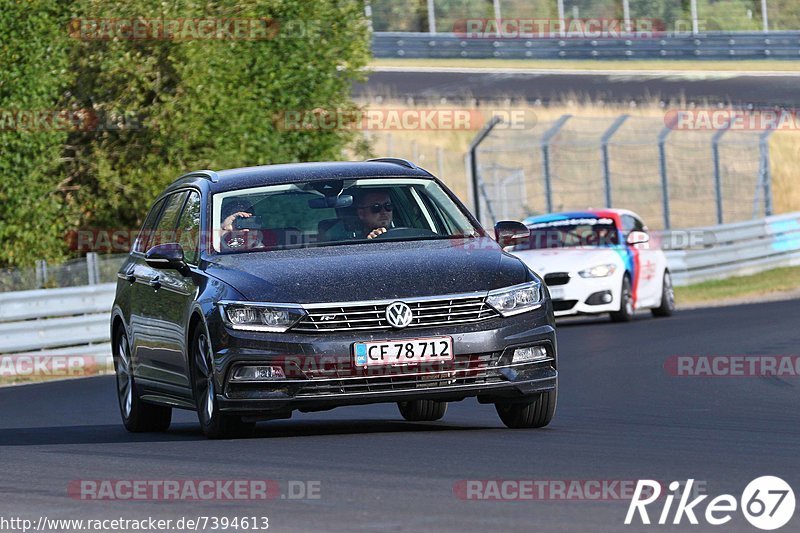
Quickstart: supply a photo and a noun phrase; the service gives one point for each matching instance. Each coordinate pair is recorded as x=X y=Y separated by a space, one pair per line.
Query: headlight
x=260 y=317
x=516 y=299
x=599 y=271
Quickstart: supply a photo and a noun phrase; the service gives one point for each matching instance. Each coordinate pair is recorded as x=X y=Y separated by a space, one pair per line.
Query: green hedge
x=161 y=106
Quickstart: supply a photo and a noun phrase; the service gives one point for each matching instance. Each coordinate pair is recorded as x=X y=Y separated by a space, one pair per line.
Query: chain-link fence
x=443 y=16
x=90 y=270
x=671 y=178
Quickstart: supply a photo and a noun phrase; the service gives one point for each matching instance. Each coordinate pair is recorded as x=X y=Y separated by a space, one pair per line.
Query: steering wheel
x=403 y=231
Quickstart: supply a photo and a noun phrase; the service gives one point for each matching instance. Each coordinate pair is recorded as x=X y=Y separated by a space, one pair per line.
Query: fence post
x=473 y=161
x=41 y=274
x=545 y=144
x=662 y=163
x=765 y=174
x=93 y=268
x=604 y=140
x=717 y=174
x=431 y=17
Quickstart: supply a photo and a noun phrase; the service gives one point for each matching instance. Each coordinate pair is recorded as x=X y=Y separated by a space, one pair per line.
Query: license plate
x=403 y=352
x=556 y=293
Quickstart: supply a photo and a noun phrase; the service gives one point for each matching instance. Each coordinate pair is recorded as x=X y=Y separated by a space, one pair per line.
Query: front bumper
x=572 y=298
x=320 y=372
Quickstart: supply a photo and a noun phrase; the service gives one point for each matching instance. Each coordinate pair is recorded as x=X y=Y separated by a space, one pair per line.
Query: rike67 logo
x=767 y=503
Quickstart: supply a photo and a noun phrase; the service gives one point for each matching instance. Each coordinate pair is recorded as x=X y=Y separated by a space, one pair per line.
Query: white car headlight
x=598 y=271
x=260 y=317
x=516 y=299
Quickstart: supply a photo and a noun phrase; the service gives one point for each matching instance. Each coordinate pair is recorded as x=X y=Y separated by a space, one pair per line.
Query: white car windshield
x=571 y=233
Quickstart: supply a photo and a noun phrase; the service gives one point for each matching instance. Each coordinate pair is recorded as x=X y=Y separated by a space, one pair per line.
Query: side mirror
x=509 y=233
x=167 y=257
x=637 y=237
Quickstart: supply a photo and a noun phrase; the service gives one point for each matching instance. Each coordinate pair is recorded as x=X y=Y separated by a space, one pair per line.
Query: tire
x=214 y=423
x=137 y=416
x=535 y=414
x=625 y=313
x=667 y=306
x=422 y=410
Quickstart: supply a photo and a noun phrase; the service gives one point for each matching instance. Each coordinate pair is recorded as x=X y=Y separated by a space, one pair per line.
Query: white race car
x=598 y=261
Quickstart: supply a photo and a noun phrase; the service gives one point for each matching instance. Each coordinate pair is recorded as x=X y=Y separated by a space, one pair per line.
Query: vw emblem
x=399 y=315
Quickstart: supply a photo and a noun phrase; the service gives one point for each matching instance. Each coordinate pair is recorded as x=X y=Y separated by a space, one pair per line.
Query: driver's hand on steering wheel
x=374 y=233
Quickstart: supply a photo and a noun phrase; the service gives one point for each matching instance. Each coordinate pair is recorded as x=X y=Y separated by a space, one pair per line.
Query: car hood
x=370 y=271
x=568 y=259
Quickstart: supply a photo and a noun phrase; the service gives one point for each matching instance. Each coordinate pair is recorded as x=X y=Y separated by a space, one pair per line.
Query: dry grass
x=766 y=65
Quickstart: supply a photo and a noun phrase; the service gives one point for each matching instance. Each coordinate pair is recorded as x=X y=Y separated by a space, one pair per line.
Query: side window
x=146 y=234
x=630 y=224
x=189 y=228
x=165 y=229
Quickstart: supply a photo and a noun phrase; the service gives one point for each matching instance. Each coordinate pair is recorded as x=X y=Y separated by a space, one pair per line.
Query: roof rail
x=207 y=174
x=395 y=160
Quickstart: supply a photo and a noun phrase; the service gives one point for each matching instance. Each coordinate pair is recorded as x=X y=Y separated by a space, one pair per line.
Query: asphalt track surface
x=620 y=417
x=759 y=90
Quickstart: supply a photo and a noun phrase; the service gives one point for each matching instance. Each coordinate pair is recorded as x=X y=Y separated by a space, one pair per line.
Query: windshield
x=336 y=212
x=571 y=233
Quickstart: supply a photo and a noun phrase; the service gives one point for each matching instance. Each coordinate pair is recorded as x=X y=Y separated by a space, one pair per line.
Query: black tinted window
x=189 y=228
x=146 y=234
x=165 y=229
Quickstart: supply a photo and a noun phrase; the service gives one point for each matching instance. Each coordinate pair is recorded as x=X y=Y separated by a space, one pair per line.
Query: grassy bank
x=765 y=284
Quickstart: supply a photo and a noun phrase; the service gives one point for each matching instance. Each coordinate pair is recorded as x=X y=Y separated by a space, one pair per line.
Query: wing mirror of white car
x=637 y=237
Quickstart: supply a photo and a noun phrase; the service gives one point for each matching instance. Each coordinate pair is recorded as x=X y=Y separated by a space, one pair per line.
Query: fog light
x=258 y=373
x=528 y=354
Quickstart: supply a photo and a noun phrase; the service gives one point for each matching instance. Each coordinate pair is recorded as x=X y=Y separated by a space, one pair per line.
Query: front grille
x=425 y=312
x=465 y=370
x=556 y=278
x=563 y=305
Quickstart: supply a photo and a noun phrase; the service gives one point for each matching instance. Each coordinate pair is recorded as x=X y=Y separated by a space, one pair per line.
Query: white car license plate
x=403 y=351
x=556 y=293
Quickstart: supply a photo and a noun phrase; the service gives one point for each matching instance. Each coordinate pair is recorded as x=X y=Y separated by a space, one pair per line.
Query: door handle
x=130 y=277
x=155 y=283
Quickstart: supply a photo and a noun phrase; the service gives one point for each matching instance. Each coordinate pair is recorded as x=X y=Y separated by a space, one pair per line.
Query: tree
x=33 y=76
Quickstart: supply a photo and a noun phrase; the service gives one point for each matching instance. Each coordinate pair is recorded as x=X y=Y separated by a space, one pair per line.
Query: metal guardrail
x=72 y=321
x=737 y=249
x=711 y=45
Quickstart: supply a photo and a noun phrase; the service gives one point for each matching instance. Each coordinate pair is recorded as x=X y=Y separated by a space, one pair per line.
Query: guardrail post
x=764 y=172
x=604 y=140
x=662 y=164
x=473 y=162
x=41 y=274
x=93 y=268
x=545 y=144
x=717 y=174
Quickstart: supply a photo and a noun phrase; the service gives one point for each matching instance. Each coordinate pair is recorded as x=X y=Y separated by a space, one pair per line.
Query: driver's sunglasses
x=377 y=208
